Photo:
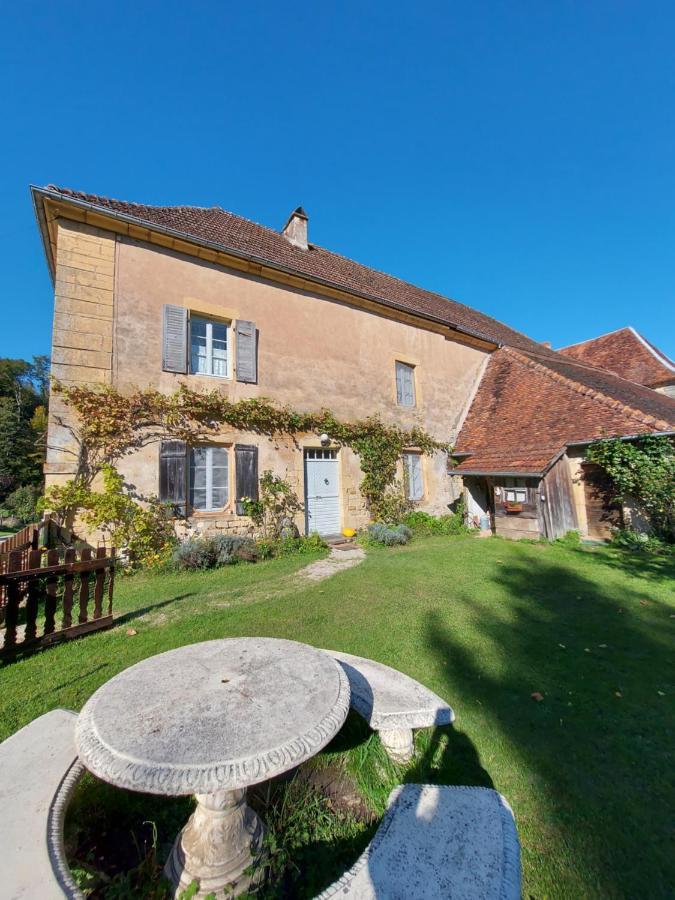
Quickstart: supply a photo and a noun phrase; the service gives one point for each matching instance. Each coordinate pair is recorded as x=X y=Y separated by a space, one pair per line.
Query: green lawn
x=485 y=623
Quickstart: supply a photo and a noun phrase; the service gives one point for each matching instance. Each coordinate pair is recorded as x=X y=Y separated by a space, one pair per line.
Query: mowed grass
x=485 y=623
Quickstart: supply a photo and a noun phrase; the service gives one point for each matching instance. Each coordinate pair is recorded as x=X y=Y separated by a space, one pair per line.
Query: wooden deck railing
x=48 y=595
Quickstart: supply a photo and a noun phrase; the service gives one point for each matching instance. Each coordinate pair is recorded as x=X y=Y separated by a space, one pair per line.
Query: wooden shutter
x=247 y=352
x=174 y=340
x=173 y=474
x=246 y=471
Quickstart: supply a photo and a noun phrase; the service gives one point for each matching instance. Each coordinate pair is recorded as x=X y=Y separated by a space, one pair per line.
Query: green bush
x=21 y=504
x=389 y=535
x=289 y=546
x=212 y=551
x=638 y=542
x=423 y=523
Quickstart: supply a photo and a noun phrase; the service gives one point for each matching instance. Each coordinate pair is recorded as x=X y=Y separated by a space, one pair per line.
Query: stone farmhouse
x=156 y=296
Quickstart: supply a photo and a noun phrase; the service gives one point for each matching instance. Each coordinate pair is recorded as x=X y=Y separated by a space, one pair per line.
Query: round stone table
x=211 y=719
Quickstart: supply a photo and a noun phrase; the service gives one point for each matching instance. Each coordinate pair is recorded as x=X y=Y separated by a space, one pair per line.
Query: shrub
x=638 y=542
x=21 y=504
x=389 y=535
x=273 y=513
x=289 y=546
x=394 y=505
x=423 y=523
x=212 y=551
x=570 y=539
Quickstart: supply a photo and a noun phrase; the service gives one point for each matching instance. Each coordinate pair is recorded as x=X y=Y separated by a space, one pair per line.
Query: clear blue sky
x=519 y=157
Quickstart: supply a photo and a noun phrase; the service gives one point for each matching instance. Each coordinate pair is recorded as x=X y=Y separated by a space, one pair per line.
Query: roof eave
x=41 y=193
x=37 y=195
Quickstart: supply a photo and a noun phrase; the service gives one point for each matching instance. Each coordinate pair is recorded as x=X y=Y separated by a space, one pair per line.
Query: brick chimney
x=295 y=230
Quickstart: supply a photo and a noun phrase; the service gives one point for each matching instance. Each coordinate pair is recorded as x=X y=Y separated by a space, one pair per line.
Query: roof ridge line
x=580 y=388
x=596 y=338
x=656 y=353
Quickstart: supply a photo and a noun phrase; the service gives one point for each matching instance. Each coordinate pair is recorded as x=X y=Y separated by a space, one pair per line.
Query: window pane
x=413 y=468
x=198 y=499
x=218 y=497
x=405 y=384
x=198 y=361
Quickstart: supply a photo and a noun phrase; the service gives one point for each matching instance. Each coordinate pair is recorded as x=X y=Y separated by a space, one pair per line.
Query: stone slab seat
x=38 y=773
x=392 y=703
x=438 y=842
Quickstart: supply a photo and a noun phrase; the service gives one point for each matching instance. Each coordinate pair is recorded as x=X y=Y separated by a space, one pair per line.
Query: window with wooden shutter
x=246 y=467
x=209 y=478
x=405 y=384
x=412 y=463
x=174 y=339
x=247 y=352
x=173 y=474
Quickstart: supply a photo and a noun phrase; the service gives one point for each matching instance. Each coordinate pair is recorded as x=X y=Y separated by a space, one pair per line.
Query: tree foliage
x=643 y=473
x=23 y=422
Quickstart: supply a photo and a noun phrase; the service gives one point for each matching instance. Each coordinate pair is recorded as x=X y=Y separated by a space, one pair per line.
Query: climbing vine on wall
x=643 y=473
x=112 y=424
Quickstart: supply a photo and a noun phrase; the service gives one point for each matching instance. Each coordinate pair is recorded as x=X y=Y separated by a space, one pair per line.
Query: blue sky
x=519 y=157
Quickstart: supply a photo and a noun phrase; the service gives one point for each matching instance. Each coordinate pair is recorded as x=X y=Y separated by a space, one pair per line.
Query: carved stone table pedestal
x=219 y=846
x=212 y=719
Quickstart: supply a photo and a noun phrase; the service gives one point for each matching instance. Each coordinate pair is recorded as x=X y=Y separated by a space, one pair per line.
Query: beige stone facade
x=314 y=351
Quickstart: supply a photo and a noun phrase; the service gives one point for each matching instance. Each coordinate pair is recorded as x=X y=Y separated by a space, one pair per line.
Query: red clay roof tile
x=628 y=354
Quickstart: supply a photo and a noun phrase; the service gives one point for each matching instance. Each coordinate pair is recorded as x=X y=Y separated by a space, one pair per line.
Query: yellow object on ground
x=348 y=532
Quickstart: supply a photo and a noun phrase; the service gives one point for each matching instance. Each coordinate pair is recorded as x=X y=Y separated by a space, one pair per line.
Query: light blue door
x=322 y=492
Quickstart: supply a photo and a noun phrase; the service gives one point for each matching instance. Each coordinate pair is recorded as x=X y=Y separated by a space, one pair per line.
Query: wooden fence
x=38 y=590
x=21 y=540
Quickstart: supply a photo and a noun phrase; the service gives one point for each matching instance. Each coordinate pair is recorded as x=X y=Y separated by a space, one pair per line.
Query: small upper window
x=414 y=486
x=209 y=481
x=515 y=495
x=209 y=347
x=405 y=384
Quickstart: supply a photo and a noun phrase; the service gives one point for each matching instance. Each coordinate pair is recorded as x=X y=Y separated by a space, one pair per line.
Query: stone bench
x=392 y=703
x=438 y=842
x=38 y=773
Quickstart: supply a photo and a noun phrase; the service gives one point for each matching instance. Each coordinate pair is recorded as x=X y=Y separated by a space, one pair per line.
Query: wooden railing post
x=111 y=581
x=69 y=557
x=14 y=562
x=50 y=602
x=86 y=555
x=32 y=597
x=99 y=584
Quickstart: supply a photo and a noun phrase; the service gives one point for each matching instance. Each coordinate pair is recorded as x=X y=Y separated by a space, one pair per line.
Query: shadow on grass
x=647 y=566
x=599 y=743
x=152 y=607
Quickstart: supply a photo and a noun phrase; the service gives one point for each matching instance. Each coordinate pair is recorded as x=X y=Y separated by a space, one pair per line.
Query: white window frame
x=402 y=366
x=407 y=467
x=209 y=346
x=515 y=490
x=209 y=507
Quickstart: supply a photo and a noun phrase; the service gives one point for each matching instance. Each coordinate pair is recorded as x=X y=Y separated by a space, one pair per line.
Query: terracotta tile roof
x=626 y=353
x=217 y=226
x=528 y=409
x=532 y=401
